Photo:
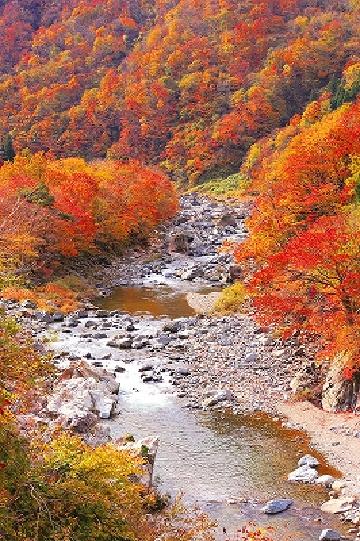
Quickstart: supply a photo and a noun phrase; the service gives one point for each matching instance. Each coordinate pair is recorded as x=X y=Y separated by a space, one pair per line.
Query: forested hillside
x=266 y=89
x=189 y=84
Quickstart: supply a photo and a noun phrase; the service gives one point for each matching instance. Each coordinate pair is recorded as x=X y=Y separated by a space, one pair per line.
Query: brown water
x=159 y=301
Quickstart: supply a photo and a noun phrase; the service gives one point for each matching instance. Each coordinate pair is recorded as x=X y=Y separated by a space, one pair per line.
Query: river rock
x=338 y=505
x=147 y=377
x=124 y=343
x=227 y=219
x=98 y=435
x=203 y=304
x=180 y=242
x=325 y=480
x=81 y=369
x=307 y=376
x=146 y=367
x=304 y=474
x=235 y=272
x=82 y=390
x=183 y=371
x=146 y=449
x=308 y=460
x=218 y=396
x=277 y=506
x=338 y=485
x=329 y=535
x=172 y=326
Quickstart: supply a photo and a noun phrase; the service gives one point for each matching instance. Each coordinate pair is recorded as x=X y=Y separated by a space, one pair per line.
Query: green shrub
x=224 y=187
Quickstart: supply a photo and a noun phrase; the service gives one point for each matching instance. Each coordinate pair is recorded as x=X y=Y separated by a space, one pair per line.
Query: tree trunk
x=340 y=394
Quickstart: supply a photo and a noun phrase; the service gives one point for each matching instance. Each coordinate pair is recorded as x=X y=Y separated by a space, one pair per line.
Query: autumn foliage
x=190 y=84
x=55 y=487
x=51 y=209
x=305 y=230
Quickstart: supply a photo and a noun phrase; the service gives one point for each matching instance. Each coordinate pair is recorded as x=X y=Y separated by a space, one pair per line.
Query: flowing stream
x=226 y=464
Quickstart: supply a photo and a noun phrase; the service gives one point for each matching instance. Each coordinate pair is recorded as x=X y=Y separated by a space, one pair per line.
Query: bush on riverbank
x=231 y=299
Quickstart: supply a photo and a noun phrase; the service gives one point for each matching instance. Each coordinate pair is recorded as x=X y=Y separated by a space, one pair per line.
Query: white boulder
x=304 y=474
x=81 y=395
x=308 y=460
x=338 y=505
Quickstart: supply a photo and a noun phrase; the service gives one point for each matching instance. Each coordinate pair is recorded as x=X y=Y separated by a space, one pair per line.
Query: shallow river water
x=157 y=301
x=227 y=464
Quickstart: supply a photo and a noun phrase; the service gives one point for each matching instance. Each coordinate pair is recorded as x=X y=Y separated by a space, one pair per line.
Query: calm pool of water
x=157 y=301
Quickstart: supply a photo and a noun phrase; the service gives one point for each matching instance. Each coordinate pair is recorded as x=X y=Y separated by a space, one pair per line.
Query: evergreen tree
x=8 y=149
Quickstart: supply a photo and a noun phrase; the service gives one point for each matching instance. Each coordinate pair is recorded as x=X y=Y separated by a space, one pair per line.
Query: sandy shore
x=333 y=434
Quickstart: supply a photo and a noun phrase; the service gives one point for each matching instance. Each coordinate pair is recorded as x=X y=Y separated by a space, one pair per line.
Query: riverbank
x=336 y=435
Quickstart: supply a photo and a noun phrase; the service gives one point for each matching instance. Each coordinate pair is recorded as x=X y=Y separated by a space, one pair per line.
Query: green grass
x=232 y=186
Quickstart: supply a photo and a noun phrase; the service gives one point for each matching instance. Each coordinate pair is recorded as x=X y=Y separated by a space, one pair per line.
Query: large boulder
x=236 y=272
x=306 y=379
x=325 y=480
x=146 y=449
x=338 y=505
x=340 y=392
x=303 y=474
x=308 y=460
x=180 y=241
x=82 y=369
x=81 y=396
x=217 y=397
x=227 y=220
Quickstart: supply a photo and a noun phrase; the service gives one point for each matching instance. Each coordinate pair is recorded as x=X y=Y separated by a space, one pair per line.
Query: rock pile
x=82 y=395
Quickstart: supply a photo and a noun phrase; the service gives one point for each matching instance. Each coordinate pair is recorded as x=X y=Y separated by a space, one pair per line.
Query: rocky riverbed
x=203 y=362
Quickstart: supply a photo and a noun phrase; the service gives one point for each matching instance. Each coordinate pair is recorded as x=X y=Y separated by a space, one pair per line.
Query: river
x=228 y=464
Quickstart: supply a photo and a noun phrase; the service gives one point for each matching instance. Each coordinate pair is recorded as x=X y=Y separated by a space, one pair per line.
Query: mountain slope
x=190 y=84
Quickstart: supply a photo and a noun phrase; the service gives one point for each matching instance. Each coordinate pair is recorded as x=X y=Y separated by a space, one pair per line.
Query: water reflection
x=159 y=301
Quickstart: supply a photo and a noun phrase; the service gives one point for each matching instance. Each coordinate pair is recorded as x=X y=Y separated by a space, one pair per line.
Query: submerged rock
x=277 y=506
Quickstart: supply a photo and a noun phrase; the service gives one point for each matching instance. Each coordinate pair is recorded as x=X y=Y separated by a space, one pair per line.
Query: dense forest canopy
x=190 y=84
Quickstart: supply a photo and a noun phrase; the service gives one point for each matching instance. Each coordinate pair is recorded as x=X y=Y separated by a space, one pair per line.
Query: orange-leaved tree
x=304 y=231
